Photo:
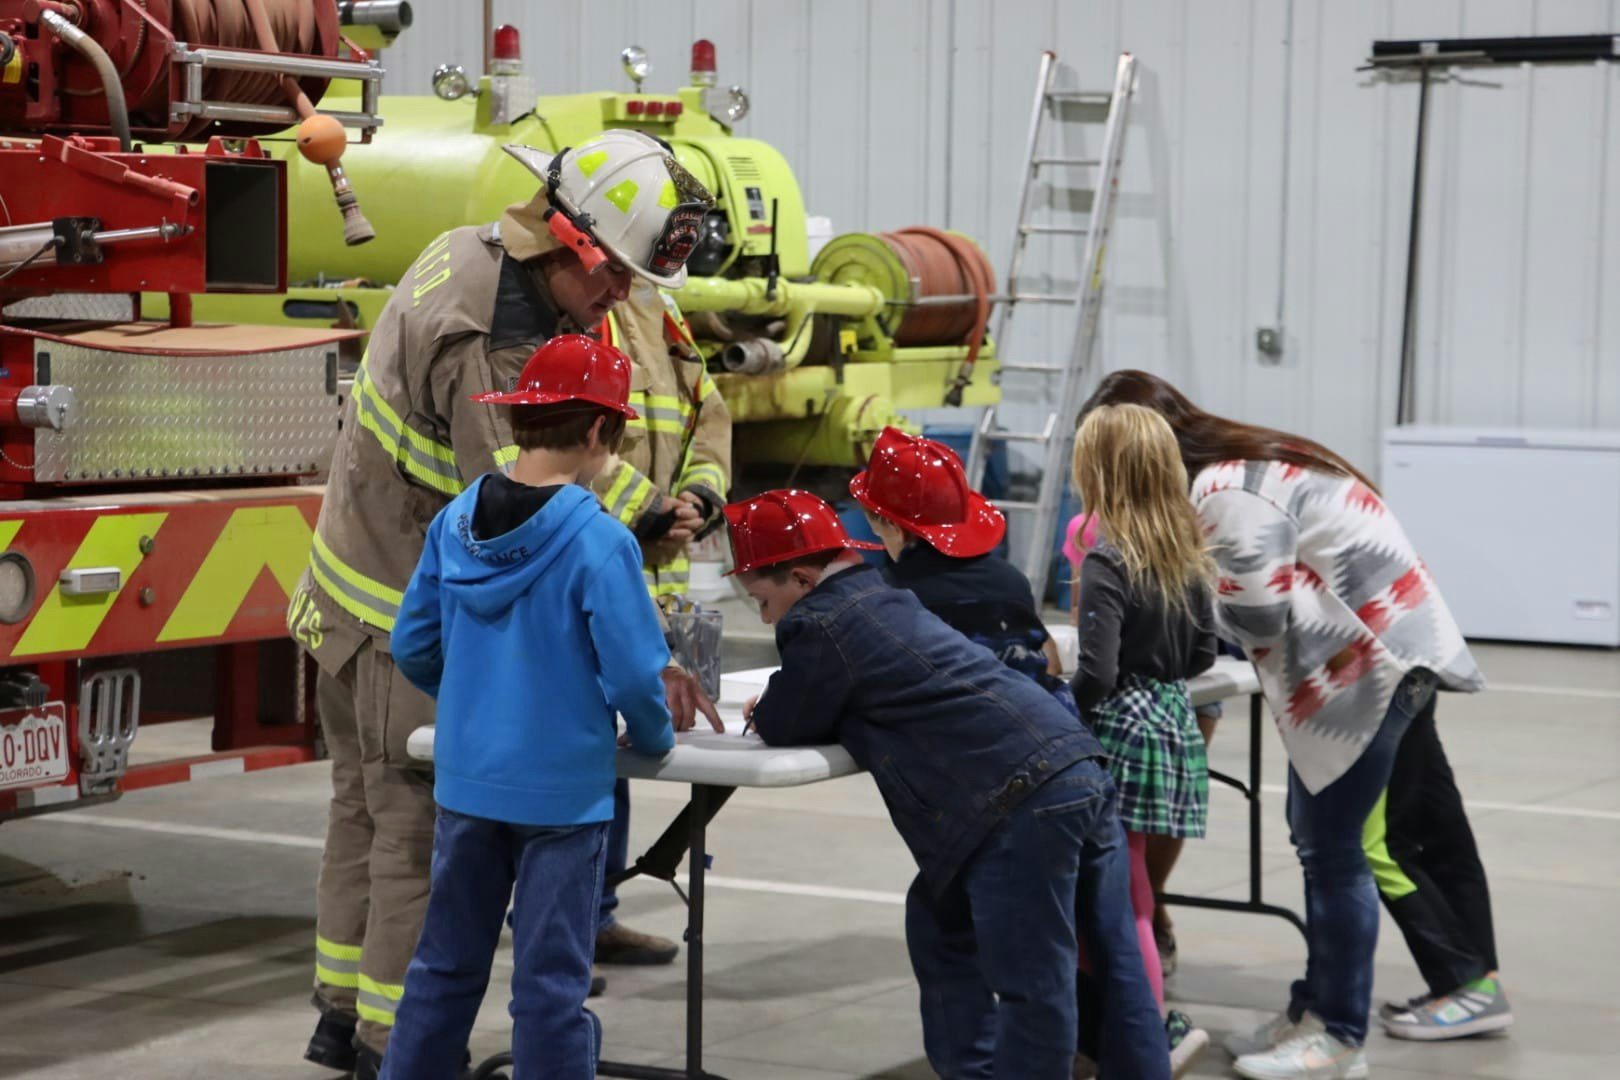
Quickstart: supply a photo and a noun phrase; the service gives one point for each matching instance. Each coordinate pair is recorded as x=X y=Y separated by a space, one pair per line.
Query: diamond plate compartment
x=142 y=417
x=73 y=307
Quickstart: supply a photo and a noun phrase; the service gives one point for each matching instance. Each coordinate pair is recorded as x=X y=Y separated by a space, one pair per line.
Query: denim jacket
x=954 y=738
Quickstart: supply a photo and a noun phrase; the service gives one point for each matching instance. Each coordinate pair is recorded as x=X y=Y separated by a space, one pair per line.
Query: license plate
x=33 y=746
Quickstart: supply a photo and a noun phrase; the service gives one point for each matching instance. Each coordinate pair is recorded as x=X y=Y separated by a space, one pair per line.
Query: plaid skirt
x=1156 y=755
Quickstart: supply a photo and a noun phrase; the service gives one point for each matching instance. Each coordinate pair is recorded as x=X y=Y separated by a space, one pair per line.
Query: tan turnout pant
x=373 y=887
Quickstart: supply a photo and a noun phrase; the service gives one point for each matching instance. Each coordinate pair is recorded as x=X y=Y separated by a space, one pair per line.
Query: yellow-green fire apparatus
x=813 y=356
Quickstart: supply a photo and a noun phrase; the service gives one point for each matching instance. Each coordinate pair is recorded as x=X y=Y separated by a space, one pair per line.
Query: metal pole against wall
x=1405 y=402
x=1424 y=54
x=489 y=34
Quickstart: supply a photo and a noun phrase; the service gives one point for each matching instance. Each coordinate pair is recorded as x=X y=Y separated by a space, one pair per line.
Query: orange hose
x=267 y=41
x=290 y=26
x=945 y=265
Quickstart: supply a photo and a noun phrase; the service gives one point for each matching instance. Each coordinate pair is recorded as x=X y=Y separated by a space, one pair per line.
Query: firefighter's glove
x=671 y=519
x=653 y=525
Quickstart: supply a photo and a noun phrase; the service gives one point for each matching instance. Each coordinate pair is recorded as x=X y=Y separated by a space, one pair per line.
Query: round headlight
x=16 y=587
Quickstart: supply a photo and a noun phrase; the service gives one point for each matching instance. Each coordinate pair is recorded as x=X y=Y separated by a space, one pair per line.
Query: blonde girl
x=1145 y=627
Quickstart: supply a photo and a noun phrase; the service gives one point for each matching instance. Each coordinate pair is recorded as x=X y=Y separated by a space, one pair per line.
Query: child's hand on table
x=684 y=696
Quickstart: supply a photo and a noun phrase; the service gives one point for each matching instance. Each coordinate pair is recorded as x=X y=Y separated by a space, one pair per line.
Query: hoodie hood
x=488 y=575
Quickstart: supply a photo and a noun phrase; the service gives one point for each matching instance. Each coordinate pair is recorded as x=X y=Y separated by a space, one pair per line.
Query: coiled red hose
x=229 y=24
x=944 y=264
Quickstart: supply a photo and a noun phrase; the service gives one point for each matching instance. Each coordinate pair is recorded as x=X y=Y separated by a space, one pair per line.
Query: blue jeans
x=1341 y=900
x=618 y=851
x=557 y=874
x=995 y=957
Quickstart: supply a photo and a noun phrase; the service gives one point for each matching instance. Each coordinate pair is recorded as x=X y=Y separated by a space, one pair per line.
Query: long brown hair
x=1206 y=439
x=1129 y=473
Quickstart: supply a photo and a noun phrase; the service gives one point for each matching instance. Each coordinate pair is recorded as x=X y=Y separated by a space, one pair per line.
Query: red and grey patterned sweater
x=1321 y=587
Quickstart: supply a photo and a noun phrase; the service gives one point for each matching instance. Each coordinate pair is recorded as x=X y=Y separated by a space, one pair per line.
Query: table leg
x=698 y=866
x=706 y=801
x=1255 y=904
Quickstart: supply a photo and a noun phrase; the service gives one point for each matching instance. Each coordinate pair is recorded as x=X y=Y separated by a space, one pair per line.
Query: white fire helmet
x=625 y=191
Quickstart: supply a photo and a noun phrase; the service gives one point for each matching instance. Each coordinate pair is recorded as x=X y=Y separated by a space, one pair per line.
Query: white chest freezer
x=1521 y=528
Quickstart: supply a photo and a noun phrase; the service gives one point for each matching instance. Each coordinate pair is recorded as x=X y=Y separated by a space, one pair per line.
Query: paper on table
x=737 y=687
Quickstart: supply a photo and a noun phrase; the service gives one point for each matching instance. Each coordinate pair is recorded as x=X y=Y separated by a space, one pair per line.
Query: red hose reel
x=45 y=86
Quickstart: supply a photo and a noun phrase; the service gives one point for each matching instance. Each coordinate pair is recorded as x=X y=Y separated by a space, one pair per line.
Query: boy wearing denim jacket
x=996 y=789
x=527 y=618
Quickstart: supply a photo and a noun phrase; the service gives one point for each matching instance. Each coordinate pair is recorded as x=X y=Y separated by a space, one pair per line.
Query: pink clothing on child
x=1142 y=908
x=1079 y=538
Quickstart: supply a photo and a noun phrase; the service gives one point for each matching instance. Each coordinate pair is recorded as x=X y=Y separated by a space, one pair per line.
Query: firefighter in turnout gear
x=668 y=485
x=465 y=317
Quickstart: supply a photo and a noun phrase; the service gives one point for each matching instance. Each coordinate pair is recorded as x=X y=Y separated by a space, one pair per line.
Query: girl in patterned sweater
x=1351 y=639
x=1145 y=627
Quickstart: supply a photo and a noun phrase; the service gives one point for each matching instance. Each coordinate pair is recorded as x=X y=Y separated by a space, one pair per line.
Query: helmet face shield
x=683 y=229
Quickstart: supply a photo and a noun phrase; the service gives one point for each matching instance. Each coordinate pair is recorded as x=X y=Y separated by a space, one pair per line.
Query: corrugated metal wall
x=897 y=112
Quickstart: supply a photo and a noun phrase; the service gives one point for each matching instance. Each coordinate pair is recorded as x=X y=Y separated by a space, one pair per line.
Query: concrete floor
x=170 y=935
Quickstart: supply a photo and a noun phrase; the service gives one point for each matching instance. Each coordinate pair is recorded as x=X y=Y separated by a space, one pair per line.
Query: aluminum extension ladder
x=1028 y=388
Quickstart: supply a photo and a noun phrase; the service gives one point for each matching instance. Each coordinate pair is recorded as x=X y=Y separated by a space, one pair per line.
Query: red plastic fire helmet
x=571 y=367
x=920 y=485
x=780 y=525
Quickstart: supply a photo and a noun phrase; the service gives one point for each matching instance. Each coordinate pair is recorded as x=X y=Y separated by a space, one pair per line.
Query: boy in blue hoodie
x=528 y=620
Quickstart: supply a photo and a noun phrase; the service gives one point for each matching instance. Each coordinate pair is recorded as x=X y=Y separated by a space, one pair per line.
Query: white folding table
x=716 y=764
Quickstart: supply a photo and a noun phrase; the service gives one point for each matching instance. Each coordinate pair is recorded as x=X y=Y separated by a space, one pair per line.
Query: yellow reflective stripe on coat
x=668 y=579
x=427 y=462
x=705 y=474
x=627 y=494
x=638 y=402
x=377 y=1001
x=370 y=601
x=505 y=458
x=337 y=965
x=666 y=413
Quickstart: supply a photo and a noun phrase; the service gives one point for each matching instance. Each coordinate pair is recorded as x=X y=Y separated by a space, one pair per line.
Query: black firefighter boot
x=332 y=1045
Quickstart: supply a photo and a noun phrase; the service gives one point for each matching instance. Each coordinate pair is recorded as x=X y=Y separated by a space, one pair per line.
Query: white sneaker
x=1315 y=1055
x=1279 y=1029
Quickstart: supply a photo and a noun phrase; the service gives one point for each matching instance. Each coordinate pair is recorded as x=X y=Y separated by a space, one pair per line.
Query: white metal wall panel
x=899 y=112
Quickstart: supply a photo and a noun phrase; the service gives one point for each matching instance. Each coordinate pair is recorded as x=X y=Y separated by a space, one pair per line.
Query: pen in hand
x=748 y=714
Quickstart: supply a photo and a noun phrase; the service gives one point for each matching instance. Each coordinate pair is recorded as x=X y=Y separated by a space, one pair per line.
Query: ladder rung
x=1066 y=161
x=1052 y=230
x=1046 y=369
x=1039 y=298
x=1016 y=504
x=1018 y=436
x=1100 y=97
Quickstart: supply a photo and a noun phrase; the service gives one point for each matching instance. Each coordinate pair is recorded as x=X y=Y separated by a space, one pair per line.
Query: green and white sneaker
x=1313 y=1055
x=1389 y=1010
x=1186 y=1042
x=1476 y=1009
x=1277 y=1030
